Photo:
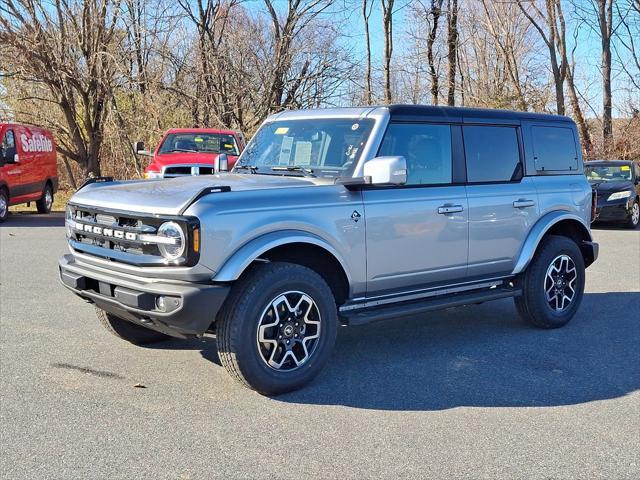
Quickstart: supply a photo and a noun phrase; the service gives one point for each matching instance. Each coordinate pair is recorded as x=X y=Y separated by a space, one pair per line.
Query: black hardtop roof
x=417 y=112
x=607 y=162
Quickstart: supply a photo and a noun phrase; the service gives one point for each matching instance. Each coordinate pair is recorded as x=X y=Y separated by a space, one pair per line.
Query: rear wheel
x=634 y=218
x=129 y=331
x=277 y=328
x=553 y=284
x=46 y=201
x=4 y=205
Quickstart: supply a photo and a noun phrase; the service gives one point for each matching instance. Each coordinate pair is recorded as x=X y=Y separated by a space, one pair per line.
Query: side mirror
x=222 y=163
x=16 y=159
x=386 y=170
x=139 y=149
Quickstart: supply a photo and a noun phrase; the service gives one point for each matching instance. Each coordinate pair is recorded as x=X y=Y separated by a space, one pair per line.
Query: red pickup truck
x=191 y=151
x=28 y=167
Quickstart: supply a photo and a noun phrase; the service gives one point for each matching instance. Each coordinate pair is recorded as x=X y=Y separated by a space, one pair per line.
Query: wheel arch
x=298 y=247
x=564 y=224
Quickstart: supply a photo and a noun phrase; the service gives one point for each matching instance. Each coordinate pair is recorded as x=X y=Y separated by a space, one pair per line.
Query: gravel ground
x=467 y=393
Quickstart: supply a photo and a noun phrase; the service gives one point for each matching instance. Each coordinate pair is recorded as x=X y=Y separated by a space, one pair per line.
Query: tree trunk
x=605 y=19
x=452 y=45
x=435 y=11
x=387 y=24
x=368 y=95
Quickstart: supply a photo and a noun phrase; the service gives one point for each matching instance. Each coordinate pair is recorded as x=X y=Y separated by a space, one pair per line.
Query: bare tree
x=452 y=49
x=72 y=50
x=367 y=9
x=387 y=27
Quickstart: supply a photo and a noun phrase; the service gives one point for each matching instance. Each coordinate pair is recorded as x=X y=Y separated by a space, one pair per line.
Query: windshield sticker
x=303 y=153
x=281 y=130
x=355 y=126
x=198 y=139
x=625 y=167
x=285 y=150
x=228 y=146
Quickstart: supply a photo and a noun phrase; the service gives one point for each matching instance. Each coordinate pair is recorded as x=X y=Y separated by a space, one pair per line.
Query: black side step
x=405 y=309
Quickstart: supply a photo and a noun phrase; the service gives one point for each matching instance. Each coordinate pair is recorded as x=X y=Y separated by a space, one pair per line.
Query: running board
x=406 y=309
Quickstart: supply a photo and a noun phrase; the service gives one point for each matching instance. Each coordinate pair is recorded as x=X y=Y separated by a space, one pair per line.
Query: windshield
x=199 y=142
x=609 y=173
x=328 y=148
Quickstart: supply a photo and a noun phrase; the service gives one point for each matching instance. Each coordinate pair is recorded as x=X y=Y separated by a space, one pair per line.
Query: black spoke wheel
x=289 y=331
x=277 y=328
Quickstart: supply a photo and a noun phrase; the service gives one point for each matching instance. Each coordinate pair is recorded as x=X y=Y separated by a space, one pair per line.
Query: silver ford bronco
x=339 y=217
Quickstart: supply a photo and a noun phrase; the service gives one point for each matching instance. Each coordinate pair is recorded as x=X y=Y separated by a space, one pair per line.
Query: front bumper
x=614 y=211
x=179 y=309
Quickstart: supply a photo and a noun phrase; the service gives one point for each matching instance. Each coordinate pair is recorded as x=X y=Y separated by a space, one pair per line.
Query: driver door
x=417 y=234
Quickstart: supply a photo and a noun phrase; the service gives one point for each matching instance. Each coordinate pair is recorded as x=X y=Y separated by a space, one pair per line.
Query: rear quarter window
x=554 y=149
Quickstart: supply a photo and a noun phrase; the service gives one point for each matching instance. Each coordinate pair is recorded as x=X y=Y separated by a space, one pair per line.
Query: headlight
x=68 y=222
x=150 y=175
x=176 y=248
x=619 y=195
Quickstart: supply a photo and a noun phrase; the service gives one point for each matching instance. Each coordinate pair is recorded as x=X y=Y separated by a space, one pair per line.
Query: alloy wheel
x=635 y=214
x=48 y=198
x=560 y=283
x=3 y=206
x=289 y=331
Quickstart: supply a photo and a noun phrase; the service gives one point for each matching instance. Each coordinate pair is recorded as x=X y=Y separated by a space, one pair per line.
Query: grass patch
x=60 y=200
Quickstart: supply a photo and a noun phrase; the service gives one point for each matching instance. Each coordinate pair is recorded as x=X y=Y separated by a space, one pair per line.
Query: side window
x=8 y=145
x=492 y=154
x=427 y=149
x=554 y=148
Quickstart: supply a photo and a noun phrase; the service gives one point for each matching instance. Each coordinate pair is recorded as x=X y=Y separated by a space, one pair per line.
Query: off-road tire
x=129 y=331
x=238 y=323
x=533 y=305
x=5 y=211
x=633 y=221
x=43 y=204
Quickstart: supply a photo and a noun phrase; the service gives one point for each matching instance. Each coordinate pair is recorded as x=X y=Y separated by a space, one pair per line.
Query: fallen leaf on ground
x=139 y=385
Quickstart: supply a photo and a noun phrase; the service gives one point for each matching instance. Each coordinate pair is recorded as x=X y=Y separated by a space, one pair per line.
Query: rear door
x=503 y=203
x=417 y=234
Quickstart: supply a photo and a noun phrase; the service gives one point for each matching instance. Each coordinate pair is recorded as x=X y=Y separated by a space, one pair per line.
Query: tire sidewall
x=3 y=194
x=249 y=312
x=554 y=247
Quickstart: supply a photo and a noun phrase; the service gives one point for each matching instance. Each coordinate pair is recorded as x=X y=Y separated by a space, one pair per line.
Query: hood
x=171 y=196
x=611 y=187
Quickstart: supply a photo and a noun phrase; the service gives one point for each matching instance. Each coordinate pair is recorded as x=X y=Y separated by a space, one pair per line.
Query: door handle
x=523 y=203
x=444 y=209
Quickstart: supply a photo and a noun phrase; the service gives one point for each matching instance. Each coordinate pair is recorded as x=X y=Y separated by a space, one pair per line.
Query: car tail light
x=594 y=204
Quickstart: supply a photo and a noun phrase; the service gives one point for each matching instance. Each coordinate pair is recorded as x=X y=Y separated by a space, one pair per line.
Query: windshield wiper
x=182 y=150
x=251 y=168
x=307 y=172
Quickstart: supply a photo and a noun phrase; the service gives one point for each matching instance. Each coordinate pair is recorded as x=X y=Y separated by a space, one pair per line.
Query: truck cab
x=191 y=151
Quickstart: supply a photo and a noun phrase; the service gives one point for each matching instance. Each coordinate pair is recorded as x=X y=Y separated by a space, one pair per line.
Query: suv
x=340 y=217
x=191 y=151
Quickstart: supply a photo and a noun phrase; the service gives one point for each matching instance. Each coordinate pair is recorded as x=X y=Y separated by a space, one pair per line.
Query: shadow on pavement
x=32 y=220
x=482 y=356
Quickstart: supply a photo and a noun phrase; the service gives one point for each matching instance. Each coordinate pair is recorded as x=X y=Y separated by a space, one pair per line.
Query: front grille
x=186 y=170
x=115 y=236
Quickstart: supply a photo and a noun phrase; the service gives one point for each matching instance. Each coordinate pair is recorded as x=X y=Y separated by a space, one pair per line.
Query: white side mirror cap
x=386 y=170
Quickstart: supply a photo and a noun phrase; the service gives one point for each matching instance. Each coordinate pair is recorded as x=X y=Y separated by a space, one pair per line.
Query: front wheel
x=553 y=284
x=129 y=331
x=46 y=201
x=277 y=328
x=634 y=217
x=4 y=205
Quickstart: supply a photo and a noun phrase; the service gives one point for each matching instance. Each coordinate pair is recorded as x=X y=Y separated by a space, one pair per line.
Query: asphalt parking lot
x=467 y=393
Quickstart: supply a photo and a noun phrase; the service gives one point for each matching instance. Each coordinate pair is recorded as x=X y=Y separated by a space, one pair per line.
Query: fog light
x=161 y=303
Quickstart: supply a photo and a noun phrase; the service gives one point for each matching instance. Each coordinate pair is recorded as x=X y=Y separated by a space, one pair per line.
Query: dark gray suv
x=340 y=217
